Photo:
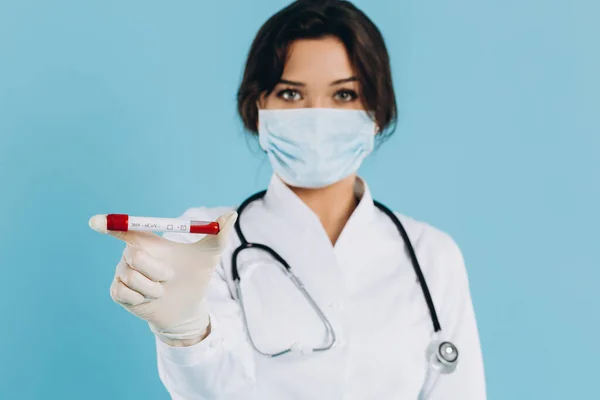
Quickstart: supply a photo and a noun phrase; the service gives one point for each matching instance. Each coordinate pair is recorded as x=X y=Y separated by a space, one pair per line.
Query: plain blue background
x=128 y=106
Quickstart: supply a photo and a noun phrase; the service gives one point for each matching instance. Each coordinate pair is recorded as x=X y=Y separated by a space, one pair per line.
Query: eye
x=345 y=95
x=289 y=95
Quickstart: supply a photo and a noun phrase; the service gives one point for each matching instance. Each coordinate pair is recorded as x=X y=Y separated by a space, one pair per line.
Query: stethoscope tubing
x=244 y=244
x=435 y=366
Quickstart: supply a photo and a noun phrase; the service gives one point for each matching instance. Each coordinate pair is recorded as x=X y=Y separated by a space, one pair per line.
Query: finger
x=141 y=284
x=219 y=240
x=125 y=296
x=141 y=261
x=98 y=223
x=138 y=282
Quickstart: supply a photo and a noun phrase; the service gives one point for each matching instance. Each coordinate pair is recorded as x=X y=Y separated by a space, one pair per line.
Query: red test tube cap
x=117 y=222
x=207 y=228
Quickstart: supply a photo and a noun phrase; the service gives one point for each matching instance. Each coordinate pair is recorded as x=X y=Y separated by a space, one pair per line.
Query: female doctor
x=311 y=290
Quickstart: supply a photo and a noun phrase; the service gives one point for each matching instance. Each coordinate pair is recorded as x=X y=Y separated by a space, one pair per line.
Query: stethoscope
x=442 y=356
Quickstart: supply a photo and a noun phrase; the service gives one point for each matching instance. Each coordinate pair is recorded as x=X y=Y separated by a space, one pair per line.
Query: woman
x=317 y=90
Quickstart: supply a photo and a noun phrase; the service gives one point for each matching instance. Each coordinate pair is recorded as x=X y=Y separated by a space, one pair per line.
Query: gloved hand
x=164 y=282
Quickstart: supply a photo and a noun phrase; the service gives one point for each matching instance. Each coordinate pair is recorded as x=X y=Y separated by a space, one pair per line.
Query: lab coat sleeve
x=219 y=367
x=458 y=322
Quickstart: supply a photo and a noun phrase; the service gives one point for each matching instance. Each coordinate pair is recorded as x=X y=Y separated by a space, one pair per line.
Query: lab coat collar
x=281 y=199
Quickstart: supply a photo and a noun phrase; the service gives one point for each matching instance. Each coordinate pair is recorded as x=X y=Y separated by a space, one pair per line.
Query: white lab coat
x=365 y=285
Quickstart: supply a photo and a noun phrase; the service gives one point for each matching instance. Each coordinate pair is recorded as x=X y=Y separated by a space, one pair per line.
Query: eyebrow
x=337 y=82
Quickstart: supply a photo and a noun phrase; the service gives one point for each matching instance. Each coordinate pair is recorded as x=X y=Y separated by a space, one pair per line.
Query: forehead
x=317 y=61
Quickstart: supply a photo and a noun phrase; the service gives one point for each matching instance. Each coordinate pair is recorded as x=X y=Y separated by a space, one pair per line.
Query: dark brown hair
x=312 y=19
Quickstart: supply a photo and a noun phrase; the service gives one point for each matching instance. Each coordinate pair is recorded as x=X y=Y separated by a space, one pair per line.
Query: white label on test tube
x=158 y=224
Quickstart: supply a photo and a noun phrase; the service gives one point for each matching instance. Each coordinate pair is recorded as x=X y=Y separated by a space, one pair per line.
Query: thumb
x=219 y=240
x=99 y=224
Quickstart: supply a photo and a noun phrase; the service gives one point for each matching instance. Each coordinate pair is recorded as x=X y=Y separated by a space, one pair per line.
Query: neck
x=333 y=204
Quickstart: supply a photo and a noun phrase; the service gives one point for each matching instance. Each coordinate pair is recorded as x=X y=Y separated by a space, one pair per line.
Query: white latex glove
x=164 y=282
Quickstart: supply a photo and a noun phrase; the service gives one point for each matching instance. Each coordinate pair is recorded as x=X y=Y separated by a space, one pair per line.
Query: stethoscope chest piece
x=442 y=356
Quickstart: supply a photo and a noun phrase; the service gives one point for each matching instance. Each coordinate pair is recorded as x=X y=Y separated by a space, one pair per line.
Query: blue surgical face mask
x=315 y=147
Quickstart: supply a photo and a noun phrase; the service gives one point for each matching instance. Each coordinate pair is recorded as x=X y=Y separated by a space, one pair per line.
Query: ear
x=376 y=126
x=261 y=101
